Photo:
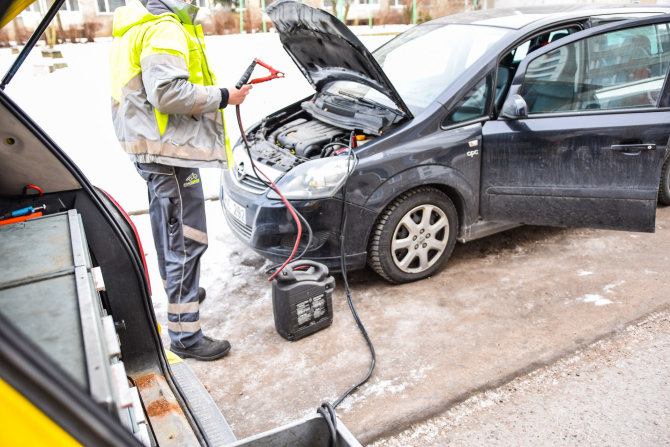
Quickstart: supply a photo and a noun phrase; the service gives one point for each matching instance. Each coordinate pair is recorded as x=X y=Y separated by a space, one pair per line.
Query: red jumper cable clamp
x=274 y=74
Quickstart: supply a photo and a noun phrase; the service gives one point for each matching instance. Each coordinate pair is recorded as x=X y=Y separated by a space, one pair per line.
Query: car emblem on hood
x=239 y=172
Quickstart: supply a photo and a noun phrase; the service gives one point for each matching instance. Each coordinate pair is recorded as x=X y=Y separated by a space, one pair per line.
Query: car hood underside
x=325 y=50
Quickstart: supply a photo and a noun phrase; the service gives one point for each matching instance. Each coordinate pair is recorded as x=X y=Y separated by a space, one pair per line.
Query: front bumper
x=268 y=228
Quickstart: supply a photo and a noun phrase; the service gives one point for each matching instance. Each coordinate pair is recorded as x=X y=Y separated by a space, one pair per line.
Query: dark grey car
x=456 y=129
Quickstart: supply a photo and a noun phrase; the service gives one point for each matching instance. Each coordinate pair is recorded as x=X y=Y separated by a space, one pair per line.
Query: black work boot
x=204 y=349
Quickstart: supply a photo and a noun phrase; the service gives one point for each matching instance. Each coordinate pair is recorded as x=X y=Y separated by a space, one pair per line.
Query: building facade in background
x=84 y=19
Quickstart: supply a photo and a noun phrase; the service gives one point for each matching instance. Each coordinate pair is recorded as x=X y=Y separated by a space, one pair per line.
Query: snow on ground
x=73 y=104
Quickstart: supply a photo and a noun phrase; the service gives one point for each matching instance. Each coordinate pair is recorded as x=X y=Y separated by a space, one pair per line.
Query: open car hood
x=325 y=50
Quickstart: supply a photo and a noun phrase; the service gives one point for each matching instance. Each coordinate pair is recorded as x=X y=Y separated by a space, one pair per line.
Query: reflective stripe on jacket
x=165 y=106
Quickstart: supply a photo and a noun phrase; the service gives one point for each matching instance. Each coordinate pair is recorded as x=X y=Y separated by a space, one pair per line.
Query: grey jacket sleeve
x=165 y=78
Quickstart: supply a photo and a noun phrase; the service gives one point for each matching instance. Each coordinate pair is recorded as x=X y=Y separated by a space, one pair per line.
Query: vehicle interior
x=510 y=62
x=615 y=70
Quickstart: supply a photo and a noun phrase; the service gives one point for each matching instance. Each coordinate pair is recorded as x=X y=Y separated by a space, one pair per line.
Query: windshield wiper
x=372 y=103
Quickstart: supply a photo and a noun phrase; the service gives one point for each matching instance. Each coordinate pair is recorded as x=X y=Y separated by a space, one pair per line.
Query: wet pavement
x=502 y=307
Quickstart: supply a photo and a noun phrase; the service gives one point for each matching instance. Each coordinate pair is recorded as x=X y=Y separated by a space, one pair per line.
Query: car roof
x=517 y=18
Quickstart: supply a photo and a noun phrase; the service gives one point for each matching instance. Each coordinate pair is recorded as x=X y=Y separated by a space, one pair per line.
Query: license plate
x=237 y=210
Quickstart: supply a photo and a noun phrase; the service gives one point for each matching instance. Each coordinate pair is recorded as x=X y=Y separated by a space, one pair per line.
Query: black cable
x=328 y=412
x=329 y=148
x=246 y=146
x=272 y=269
x=343 y=267
x=330 y=417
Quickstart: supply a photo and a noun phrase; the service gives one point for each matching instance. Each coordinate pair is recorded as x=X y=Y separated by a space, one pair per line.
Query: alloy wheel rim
x=420 y=238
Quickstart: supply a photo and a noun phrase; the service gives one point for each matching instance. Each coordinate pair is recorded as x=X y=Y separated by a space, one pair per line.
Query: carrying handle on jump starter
x=303 y=270
x=274 y=74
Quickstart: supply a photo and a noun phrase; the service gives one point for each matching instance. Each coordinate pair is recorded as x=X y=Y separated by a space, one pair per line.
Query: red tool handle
x=274 y=74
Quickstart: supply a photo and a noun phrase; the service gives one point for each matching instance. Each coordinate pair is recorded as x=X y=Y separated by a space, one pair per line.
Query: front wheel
x=413 y=236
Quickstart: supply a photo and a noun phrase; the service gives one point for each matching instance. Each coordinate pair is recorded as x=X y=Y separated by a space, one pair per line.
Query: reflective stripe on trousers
x=178 y=223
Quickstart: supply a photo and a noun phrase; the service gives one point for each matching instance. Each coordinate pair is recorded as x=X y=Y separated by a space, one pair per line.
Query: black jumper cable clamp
x=274 y=74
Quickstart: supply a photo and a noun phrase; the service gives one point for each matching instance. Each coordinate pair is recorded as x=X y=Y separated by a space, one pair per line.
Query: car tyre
x=413 y=236
x=664 y=184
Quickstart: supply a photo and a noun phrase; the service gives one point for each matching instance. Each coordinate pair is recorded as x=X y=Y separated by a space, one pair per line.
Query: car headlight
x=315 y=179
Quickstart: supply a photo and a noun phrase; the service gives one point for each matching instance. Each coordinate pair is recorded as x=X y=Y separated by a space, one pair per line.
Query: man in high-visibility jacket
x=167 y=116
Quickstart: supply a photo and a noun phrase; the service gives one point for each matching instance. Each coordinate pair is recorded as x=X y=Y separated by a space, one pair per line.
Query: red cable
x=288 y=205
x=37 y=188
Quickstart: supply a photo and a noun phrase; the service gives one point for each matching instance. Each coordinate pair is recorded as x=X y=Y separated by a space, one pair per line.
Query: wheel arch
x=452 y=183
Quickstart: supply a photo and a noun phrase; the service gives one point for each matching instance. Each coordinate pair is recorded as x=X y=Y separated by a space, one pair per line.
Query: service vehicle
x=81 y=358
x=460 y=127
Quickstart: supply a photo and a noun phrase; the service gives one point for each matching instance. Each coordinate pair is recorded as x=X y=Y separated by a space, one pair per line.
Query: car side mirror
x=515 y=108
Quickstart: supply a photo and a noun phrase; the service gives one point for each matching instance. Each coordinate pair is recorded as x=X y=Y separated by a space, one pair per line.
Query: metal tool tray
x=49 y=291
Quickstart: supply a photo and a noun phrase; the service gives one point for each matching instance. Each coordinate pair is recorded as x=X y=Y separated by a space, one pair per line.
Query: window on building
x=68 y=5
x=109 y=5
x=35 y=7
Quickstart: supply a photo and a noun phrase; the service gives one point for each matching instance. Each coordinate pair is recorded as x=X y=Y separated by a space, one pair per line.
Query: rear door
x=584 y=131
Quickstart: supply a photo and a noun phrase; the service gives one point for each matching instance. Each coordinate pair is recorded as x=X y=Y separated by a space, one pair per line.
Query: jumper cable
x=274 y=74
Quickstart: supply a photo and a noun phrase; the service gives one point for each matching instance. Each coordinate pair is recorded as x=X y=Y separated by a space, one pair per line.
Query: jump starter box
x=302 y=299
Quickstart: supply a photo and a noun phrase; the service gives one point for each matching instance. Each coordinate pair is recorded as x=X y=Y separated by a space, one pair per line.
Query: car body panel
x=596 y=168
x=261 y=229
x=478 y=162
x=567 y=173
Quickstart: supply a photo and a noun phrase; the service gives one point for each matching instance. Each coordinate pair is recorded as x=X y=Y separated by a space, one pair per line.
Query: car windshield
x=422 y=62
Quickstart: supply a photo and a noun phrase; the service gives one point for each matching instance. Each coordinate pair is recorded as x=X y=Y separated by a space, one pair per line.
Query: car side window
x=474 y=104
x=509 y=63
x=614 y=70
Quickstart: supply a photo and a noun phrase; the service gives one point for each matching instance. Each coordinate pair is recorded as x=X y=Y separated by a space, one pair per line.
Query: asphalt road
x=501 y=308
x=613 y=393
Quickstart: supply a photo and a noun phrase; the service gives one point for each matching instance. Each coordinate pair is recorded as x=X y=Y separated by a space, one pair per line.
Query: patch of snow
x=598 y=300
x=377 y=387
x=608 y=288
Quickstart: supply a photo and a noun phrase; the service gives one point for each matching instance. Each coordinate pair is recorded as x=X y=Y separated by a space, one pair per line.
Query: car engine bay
x=318 y=128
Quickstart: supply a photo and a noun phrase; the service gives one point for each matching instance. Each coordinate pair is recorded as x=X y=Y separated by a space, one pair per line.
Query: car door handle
x=633 y=149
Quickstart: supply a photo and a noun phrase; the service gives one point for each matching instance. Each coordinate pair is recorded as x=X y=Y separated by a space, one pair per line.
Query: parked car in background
x=461 y=127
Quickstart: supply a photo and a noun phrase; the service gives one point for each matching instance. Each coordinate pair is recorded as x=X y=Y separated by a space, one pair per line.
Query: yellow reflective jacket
x=165 y=105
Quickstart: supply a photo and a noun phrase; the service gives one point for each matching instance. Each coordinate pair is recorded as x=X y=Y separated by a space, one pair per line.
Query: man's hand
x=236 y=96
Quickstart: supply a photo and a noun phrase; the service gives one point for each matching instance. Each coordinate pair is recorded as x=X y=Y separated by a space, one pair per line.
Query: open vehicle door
x=583 y=132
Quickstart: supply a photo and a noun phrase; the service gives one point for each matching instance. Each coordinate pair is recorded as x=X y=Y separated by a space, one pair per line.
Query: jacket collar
x=185 y=12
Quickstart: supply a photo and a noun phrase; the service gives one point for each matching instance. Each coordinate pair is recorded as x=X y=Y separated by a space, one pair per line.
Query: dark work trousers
x=177 y=212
